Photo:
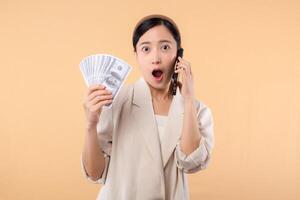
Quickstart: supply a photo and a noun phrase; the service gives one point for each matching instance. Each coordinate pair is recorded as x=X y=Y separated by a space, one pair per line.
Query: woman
x=143 y=147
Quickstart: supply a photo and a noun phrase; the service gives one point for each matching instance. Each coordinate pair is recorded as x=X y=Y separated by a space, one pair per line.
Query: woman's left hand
x=183 y=67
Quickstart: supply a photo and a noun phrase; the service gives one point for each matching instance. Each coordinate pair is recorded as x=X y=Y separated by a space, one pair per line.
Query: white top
x=161 y=122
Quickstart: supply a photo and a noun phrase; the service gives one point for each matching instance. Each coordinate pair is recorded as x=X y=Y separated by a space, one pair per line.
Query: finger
x=93 y=95
x=184 y=61
x=181 y=66
x=179 y=70
x=100 y=98
x=181 y=76
x=184 y=75
x=98 y=93
x=175 y=66
x=91 y=105
x=95 y=87
x=100 y=104
x=185 y=68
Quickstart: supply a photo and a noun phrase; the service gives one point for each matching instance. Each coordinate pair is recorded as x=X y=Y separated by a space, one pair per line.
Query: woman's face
x=156 y=54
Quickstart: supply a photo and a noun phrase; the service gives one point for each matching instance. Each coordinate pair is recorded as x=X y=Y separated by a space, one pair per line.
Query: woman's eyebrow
x=144 y=43
x=160 y=41
x=168 y=41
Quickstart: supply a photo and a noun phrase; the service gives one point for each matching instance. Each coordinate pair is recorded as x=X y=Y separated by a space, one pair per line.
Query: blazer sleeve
x=104 y=132
x=200 y=157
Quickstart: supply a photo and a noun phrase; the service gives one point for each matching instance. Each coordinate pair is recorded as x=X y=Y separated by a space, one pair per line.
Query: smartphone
x=175 y=75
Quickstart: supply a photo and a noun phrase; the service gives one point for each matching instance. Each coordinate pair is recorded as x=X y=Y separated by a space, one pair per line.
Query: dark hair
x=151 y=21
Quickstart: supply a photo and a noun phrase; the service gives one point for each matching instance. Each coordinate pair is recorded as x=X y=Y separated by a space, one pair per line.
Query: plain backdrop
x=244 y=55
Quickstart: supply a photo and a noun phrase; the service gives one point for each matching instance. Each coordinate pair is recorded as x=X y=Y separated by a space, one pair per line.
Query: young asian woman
x=144 y=146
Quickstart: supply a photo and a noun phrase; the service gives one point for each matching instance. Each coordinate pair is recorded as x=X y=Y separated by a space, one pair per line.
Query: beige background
x=245 y=55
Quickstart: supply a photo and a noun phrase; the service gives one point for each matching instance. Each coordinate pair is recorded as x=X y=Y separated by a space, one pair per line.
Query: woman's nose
x=156 y=61
x=156 y=58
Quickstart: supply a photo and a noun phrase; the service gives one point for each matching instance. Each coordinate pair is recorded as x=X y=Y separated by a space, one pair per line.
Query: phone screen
x=175 y=75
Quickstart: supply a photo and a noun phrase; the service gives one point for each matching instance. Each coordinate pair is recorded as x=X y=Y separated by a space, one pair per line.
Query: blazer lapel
x=144 y=115
x=173 y=128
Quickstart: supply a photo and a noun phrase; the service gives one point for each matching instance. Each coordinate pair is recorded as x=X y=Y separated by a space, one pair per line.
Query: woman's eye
x=145 y=49
x=165 y=47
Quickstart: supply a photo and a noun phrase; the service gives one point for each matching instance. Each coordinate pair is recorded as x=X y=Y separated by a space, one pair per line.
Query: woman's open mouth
x=157 y=74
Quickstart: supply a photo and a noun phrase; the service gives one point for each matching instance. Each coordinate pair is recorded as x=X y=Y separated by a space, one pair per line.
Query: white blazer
x=140 y=166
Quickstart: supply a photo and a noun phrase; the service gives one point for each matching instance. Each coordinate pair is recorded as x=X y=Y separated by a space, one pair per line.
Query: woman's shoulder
x=124 y=95
x=127 y=91
x=200 y=104
x=203 y=108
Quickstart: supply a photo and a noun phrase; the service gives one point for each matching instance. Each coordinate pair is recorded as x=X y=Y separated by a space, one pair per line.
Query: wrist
x=189 y=101
x=90 y=126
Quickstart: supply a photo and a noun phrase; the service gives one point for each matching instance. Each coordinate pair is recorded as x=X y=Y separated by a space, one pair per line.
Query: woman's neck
x=160 y=94
x=161 y=100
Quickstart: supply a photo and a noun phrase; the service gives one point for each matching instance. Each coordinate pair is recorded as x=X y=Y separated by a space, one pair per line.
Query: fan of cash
x=106 y=70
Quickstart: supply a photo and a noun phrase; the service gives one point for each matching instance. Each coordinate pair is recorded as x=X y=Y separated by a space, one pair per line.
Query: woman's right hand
x=96 y=97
